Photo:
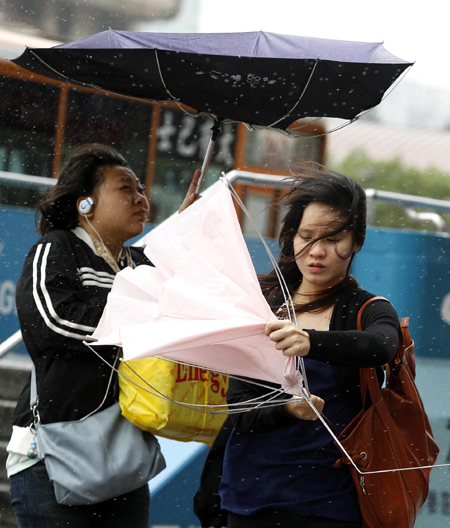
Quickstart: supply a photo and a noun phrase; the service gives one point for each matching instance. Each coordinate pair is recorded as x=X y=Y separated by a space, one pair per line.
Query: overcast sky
x=414 y=32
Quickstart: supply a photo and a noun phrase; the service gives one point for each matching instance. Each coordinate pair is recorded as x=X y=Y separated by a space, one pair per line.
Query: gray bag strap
x=34 y=400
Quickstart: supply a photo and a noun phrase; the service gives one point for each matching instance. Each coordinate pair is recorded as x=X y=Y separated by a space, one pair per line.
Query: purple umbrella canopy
x=259 y=78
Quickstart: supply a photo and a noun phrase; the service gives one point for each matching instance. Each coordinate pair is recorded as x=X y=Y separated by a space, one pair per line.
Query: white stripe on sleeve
x=40 y=286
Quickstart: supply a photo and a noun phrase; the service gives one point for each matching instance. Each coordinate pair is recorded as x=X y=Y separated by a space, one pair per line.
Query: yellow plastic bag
x=181 y=383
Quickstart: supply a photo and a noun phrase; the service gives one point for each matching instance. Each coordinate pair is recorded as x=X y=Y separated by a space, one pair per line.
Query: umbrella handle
x=215 y=131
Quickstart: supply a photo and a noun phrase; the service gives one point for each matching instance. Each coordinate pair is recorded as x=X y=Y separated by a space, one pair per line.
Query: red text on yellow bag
x=174 y=382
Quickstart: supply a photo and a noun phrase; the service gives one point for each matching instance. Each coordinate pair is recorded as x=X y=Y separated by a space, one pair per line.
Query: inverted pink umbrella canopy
x=201 y=304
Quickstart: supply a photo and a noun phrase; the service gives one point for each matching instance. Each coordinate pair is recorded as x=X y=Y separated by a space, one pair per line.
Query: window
x=97 y=118
x=182 y=141
x=28 y=113
x=271 y=149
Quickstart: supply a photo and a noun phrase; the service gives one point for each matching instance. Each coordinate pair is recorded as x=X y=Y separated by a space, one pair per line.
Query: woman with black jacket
x=277 y=467
x=96 y=206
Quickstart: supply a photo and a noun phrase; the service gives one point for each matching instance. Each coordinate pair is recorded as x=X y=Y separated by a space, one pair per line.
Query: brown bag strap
x=404 y=337
x=358 y=320
x=368 y=376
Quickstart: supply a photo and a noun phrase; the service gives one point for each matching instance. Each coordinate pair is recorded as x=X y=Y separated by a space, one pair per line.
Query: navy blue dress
x=274 y=461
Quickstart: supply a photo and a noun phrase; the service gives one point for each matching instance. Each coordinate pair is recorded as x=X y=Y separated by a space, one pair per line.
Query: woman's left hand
x=290 y=339
x=301 y=408
x=191 y=195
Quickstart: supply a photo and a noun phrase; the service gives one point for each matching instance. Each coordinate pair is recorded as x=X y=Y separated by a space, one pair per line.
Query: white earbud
x=86 y=206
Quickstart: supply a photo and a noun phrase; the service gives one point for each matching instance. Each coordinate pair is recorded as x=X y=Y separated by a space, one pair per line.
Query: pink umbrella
x=201 y=304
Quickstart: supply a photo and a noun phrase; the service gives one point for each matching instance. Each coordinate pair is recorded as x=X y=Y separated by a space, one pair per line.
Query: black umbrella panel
x=262 y=79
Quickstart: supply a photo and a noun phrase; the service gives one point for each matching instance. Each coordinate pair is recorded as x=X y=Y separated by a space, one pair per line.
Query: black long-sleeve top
x=342 y=346
x=60 y=298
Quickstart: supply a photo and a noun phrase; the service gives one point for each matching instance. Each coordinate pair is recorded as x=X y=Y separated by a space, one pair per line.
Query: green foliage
x=392 y=175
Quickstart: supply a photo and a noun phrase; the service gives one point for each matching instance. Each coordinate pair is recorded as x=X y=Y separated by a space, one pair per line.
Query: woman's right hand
x=289 y=338
x=301 y=408
x=191 y=195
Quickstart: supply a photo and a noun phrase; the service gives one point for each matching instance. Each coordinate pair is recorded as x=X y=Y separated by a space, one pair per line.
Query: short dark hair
x=315 y=183
x=78 y=177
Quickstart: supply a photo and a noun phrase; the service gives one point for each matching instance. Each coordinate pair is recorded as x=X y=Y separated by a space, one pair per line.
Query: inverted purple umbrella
x=262 y=79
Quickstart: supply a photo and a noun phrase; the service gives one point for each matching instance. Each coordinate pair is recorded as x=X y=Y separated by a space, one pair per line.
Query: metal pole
x=10 y=343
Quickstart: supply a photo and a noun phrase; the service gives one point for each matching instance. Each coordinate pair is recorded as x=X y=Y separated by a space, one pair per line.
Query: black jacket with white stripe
x=60 y=298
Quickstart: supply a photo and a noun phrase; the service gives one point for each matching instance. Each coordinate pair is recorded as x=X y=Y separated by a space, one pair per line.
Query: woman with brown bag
x=278 y=461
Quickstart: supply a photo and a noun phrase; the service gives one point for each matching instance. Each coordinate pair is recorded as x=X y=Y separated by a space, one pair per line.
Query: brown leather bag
x=391 y=432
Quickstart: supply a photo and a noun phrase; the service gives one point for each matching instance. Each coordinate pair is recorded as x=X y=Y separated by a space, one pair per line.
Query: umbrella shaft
x=215 y=131
x=206 y=161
